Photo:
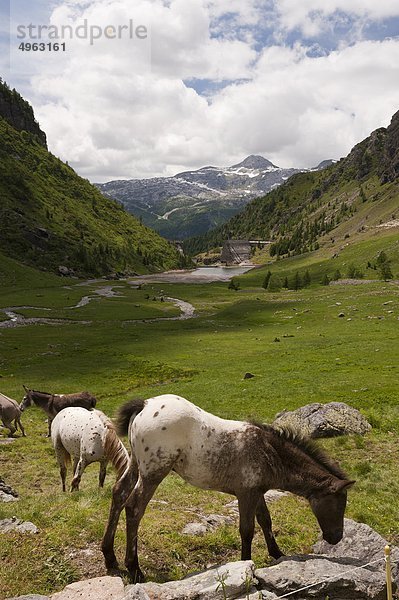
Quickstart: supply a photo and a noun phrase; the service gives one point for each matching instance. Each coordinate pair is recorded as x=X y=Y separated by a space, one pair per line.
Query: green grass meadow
x=295 y=344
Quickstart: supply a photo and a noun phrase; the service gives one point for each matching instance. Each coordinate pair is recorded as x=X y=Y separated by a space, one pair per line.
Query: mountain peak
x=254 y=161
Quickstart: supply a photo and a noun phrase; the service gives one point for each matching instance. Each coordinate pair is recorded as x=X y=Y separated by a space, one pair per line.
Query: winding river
x=199 y=275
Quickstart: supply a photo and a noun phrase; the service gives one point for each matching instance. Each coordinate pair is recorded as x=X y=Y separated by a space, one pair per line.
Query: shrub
x=337 y=275
x=354 y=272
x=274 y=284
x=296 y=282
x=234 y=284
x=266 y=280
x=307 y=280
x=325 y=280
x=384 y=266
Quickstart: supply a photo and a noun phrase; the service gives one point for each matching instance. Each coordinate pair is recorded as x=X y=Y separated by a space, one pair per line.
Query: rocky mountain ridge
x=344 y=199
x=193 y=202
x=19 y=113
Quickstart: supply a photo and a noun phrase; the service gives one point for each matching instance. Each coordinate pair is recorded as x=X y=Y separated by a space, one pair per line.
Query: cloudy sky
x=297 y=81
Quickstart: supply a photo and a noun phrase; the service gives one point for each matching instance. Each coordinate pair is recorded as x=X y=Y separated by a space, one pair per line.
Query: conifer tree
x=266 y=280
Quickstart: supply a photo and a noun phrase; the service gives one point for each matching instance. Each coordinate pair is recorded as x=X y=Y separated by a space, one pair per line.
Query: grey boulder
x=315 y=577
x=29 y=597
x=99 y=588
x=324 y=420
x=360 y=542
x=14 y=524
x=232 y=580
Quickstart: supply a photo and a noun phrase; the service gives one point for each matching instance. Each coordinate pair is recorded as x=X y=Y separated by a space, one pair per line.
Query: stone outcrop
x=354 y=569
x=361 y=542
x=4 y=497
x=334 y=578
x=7 y=494
x=19 y=113
x=233 y=580
x=324 y=420
x=30 y=597
x=390 y=163
x=100 y=588
x=14 y=524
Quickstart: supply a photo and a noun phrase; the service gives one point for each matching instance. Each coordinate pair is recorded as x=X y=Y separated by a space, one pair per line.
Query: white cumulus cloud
x=123 y=108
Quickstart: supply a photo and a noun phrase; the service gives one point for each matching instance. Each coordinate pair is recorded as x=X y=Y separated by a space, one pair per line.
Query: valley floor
x=319 y=344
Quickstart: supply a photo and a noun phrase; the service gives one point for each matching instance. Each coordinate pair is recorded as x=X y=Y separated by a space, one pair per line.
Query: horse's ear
x=342 y=484
x=27 y=390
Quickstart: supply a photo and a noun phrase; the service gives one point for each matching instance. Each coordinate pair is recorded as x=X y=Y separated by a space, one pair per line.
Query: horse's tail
x=115 y=451
x=126 y=413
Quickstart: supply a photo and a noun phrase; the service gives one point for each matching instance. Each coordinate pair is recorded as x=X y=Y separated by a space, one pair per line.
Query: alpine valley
x=351 y=203
x=194 y=202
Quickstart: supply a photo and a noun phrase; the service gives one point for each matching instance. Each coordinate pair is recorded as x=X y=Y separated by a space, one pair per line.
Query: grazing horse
x=87 y=437
x=168 y=433
x=9 y=412
x=53 y=403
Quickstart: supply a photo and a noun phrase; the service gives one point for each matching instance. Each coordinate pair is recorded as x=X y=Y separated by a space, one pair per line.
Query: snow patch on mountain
x=192 y=202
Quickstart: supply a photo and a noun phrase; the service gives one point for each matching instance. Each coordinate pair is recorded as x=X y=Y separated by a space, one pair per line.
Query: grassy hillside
x=49 y=216
x=350 y=198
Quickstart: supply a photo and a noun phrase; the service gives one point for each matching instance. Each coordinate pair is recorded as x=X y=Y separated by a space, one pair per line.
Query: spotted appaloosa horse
x=10 y=414
x=87 y=437
x=168 y=433
x=53 y=403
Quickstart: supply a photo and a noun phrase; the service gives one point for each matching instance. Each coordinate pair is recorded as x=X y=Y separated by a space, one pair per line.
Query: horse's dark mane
x=307 y=445
x=43 y=393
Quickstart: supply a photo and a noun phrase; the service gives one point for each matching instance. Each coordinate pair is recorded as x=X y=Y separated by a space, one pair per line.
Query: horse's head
x=329 y=506
x=27 y=399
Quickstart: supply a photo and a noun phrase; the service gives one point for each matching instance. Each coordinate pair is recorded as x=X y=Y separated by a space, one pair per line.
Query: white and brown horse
x=86 y=437
x=168 y=433
x=52 y=404
x=10 y=414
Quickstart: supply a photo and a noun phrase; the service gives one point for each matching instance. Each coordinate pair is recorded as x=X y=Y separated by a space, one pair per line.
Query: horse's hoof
x=137 y=576
x=115 y=571
x=113 y=568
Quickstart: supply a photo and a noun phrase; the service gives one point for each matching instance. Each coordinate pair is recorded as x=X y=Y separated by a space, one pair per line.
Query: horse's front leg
x=247 y=502
x=120 y=493
x=49 y=421
x=264 y=520
x=135 y=508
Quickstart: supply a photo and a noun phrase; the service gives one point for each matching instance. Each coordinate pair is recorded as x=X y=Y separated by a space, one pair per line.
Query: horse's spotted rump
x=86 y=436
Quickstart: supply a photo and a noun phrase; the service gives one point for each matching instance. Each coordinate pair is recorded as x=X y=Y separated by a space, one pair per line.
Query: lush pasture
x=295 y=343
